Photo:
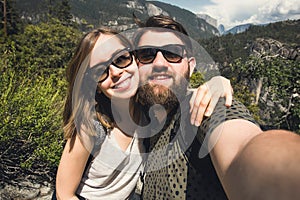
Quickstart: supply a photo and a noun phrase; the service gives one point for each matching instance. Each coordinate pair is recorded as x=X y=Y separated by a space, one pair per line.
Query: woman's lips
x=123 y=85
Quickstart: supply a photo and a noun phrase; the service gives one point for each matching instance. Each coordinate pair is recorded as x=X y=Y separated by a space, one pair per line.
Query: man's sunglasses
x=121 y=59
x=173 y=53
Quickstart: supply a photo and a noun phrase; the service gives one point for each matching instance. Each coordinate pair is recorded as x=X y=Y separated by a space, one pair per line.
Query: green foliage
x=47 y=45
x=279 y=95
x=196 y=79
x=30 y=112
x=32 y=92
x=276 y=104
x=61 y=10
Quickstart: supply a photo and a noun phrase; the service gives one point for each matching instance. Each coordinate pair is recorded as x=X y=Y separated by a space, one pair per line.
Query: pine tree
x=64 y=12
x=11 y=22
x=61 y=10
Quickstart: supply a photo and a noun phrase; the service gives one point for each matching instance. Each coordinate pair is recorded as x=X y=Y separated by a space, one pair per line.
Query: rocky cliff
x=267 y=47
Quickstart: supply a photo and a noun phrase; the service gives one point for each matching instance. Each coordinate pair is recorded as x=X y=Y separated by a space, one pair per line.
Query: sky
x=235 y=12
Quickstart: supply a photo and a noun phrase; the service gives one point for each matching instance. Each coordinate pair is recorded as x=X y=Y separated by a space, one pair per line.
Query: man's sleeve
x=221 y=114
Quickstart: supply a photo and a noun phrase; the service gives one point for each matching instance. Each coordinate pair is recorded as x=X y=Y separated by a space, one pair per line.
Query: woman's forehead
x=105 y=47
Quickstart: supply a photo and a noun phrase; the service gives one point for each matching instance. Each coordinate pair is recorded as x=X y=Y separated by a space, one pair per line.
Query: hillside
x=118 y=14
x=226 y=48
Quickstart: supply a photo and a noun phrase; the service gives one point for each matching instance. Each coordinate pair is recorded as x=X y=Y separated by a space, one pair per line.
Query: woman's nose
x=115 y=72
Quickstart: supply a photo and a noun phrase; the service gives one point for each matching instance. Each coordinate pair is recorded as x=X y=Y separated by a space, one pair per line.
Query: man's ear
x=192 y=65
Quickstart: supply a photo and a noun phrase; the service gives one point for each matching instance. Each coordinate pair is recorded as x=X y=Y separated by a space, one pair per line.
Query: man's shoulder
x=221 y=114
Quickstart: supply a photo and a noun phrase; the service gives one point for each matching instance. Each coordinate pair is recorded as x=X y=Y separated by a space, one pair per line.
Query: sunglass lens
x=146 y=55
x=123 y=60
x=103 y=75
x=173 y=54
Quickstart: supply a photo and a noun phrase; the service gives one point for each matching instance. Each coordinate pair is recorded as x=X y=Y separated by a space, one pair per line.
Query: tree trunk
x=4 y=18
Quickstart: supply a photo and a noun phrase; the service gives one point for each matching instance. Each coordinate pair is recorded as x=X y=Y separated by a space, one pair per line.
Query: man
x=175 y=169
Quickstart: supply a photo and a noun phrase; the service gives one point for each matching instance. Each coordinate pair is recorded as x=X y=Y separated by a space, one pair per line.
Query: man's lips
x=160 y=77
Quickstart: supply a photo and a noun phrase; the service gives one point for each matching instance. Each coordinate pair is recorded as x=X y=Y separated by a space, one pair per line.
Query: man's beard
x=168 y=97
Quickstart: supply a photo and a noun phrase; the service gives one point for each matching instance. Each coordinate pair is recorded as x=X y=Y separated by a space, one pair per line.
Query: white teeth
x=123 y=83
x=161 y=77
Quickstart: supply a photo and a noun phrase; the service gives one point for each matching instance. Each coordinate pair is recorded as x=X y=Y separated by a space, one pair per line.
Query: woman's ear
x=192 y=65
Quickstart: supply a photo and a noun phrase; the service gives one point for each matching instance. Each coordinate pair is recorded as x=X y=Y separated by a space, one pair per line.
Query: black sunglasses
x=173 y=53
x=121 y=59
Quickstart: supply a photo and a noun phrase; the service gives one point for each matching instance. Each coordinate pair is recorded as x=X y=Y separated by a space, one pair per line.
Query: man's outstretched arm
x=252 y=164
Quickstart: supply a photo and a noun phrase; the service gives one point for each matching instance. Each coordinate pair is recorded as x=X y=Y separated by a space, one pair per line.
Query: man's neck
x=160 y=114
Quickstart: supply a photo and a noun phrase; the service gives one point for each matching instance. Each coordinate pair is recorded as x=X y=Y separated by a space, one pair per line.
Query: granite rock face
x=27 y=190
x=262 y=47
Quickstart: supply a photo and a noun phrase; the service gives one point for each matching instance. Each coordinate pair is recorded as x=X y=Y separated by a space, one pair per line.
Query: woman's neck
x=123 y=111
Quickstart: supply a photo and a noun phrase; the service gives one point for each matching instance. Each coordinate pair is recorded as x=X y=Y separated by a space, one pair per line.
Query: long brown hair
x=80 y=58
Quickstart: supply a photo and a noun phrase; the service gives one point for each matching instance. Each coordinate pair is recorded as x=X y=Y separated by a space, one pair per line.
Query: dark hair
x=162 y=22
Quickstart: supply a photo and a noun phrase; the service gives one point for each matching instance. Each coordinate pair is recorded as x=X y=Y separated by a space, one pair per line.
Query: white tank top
x=113 y=173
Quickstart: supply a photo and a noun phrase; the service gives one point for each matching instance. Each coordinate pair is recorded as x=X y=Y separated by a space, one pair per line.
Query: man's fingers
x=228 y=101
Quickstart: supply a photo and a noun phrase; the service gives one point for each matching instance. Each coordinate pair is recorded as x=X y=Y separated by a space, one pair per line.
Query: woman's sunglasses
x=173 y=53
x=121 y=59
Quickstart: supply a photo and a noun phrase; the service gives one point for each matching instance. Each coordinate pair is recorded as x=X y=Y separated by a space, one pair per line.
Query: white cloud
x=235 y=12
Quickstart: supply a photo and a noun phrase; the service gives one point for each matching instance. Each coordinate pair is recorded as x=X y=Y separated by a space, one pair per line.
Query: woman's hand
x=206 y=96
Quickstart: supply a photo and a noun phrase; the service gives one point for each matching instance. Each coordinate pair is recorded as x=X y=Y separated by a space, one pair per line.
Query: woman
x=101 y=162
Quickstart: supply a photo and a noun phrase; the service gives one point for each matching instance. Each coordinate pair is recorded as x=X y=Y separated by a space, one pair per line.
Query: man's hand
x=206 y=96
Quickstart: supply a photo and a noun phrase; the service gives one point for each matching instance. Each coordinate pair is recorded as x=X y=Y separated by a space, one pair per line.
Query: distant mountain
x=221 y=29
x=279 y=38
x=118 y=14
x=237 y=29
x=212 y=21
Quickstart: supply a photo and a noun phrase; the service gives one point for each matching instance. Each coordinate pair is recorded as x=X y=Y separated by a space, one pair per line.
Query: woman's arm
x=206 y=96
x=71 y=168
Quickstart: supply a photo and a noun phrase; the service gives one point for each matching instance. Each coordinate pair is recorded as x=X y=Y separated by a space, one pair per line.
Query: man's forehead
x=159 y=38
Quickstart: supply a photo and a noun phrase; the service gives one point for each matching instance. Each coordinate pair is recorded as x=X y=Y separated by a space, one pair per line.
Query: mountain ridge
x=119 y=14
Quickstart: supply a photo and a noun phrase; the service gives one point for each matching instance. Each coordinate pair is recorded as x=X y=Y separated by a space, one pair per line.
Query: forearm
x=66 y=184
x=71 y=168
x=228 y=140
x=267 y=168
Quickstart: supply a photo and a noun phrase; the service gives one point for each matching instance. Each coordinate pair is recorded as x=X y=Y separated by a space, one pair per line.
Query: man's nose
x=160 y=60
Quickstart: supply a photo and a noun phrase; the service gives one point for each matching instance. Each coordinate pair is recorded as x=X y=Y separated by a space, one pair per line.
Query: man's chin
x=149 y=95
x=159 y=89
